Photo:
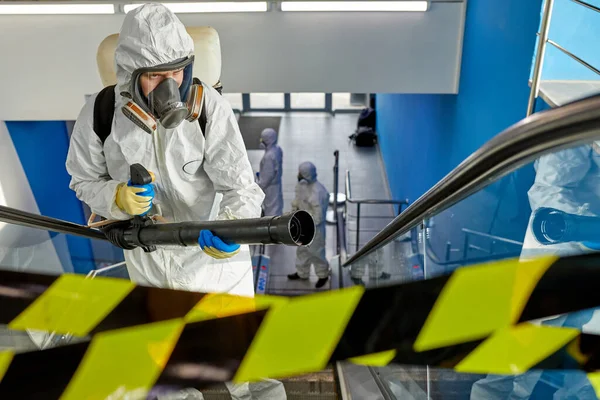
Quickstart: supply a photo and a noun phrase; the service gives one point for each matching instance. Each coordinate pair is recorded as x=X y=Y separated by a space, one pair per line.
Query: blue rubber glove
x=215 y=247
x=148 y=192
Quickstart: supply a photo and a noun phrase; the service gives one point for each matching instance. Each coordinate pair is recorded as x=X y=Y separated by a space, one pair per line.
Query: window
x=308 y=100
x=349 y=101
x=267 y=100
x=235 y=99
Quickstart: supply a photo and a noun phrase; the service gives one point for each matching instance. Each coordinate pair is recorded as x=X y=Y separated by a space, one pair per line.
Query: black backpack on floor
x=364 y=137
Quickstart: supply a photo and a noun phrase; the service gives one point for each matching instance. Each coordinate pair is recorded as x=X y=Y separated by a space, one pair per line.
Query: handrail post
x=336 y=154
x=357 y=225
x=539 y=58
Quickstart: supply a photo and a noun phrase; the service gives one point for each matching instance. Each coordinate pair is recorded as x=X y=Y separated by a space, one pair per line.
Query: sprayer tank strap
x=104 y=112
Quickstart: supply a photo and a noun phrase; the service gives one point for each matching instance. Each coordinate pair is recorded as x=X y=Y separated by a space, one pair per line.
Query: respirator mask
x=172 y=96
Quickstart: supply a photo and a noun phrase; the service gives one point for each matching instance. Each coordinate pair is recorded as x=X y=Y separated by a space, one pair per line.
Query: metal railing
x=115 y=270
x=465 y=258
x=538 y=134
x=543 y=41
x=358 y=216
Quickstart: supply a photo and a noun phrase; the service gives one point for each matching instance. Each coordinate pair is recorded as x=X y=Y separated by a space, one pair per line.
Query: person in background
x=269 y=176
x=313 y=197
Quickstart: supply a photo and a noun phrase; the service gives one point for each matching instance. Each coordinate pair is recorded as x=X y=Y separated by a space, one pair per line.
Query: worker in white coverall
x=313 y=197
x=269 y=177
x=569 y=181
x=152 y=126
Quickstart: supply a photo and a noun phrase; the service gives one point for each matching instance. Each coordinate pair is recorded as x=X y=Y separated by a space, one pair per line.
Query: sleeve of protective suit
x=87 y=166
x=557 y=179
x=269 y=171
x=226 y=161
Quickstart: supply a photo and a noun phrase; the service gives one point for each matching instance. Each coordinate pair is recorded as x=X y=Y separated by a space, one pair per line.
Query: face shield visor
x=165 y=94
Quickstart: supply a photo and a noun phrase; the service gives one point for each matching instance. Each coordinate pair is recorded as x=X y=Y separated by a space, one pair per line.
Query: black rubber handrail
x=23 y=218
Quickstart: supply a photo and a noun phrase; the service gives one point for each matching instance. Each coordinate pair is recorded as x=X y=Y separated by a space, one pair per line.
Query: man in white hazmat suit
x=313 y=197
x=269 y=178
x=569 y=181
x=155 y=124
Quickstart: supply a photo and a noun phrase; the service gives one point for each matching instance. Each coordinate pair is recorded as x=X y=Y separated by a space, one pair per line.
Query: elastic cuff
x=115 y=211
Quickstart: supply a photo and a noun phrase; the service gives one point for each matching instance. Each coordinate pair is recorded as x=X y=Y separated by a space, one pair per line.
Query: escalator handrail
x=539 y=134
x=23 y=218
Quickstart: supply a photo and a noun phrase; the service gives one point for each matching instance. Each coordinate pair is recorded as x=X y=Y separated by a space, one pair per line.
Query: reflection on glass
x=267 y=100
x=308 y=100
x=548 y=207
x=33 y=250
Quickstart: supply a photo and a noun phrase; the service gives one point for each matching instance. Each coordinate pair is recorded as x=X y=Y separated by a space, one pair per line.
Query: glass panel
x=31 y=250
x=267 y=100
x=550 y=207
x=342 y=101
x=308 y=100
x=235 y=99
x=34 y=250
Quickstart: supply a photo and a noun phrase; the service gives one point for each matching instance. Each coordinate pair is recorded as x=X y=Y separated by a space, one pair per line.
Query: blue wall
x=412 y=138
x=424 y=137
x=42 y=147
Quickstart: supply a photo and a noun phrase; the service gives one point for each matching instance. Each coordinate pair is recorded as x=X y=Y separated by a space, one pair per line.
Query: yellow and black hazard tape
x=472 y=320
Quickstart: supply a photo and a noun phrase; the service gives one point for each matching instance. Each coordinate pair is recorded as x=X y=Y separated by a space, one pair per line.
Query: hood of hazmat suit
x=311 y=195
x=271 y=172
x=198 y=176
x=308 y=172
x=268 y=137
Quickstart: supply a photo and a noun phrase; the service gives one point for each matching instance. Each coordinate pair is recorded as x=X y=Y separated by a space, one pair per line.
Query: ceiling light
x=57 y=9
x=354 y=5
x=210 y=7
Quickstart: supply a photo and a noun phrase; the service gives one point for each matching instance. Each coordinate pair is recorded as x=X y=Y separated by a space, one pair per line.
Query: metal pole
x=539 y=59
x=466 y=248
x=448 y=250
x=357 y=225
x=336 y=154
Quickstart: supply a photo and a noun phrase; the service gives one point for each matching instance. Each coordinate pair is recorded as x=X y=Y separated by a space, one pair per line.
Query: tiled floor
x=314 y=137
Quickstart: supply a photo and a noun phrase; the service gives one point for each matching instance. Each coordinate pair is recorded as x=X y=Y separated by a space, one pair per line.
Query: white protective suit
x=271 y=170
x=313 y=197
x=567 y=180
x=190 y=170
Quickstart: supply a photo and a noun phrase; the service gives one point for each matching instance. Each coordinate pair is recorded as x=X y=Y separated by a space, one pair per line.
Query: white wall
x=49 y=62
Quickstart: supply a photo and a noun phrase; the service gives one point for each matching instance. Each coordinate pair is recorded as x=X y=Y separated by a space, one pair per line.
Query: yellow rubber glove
x=134 y=200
